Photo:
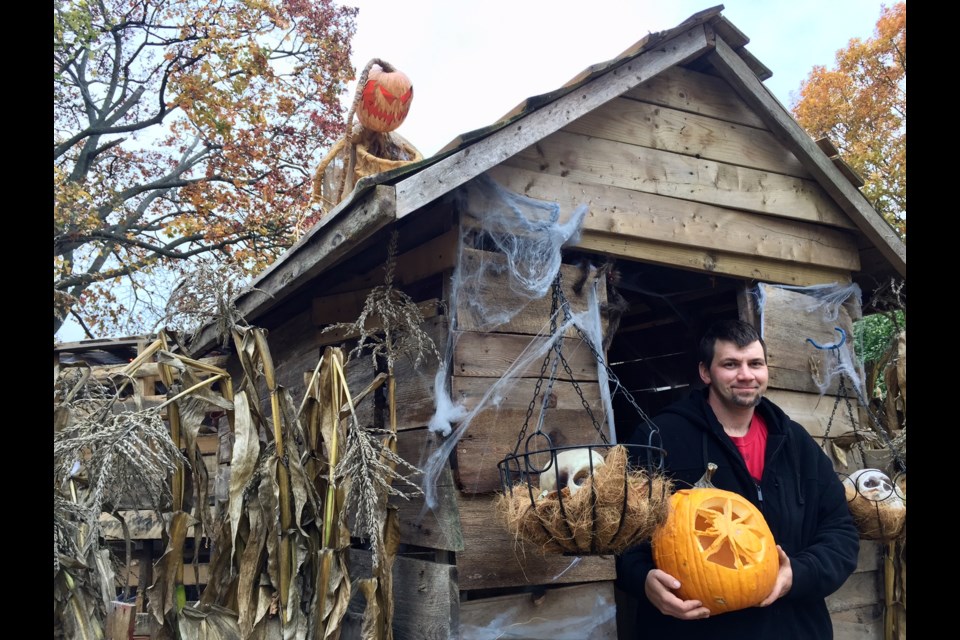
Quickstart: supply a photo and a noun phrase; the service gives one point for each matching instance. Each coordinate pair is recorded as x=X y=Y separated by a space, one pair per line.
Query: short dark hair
x=731 y=330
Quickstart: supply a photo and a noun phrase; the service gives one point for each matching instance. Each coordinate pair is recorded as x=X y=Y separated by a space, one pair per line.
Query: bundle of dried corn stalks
x=279 y=560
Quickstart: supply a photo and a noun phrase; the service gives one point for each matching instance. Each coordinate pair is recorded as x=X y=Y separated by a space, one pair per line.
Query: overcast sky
x=472 y=61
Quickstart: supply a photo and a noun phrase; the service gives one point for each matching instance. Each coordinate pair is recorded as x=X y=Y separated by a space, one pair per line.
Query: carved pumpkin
x=385 y=99
x=718 y=545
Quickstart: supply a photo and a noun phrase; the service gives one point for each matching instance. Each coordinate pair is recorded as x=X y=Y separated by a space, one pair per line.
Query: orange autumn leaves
x=184 y=128
x=861 y=106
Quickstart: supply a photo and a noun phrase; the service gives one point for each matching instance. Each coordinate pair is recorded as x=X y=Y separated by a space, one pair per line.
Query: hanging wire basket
x=877 y=503
x=585 y=499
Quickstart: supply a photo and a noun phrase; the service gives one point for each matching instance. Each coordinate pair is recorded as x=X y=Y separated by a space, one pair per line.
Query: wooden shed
x=700 y=194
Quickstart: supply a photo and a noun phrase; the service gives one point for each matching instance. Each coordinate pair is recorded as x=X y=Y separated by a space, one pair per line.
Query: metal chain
x=842 y=391
x=601 y=360
x=543 y=370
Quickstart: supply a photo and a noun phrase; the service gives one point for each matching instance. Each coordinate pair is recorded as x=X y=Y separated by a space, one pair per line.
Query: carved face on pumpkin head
x=385 y=99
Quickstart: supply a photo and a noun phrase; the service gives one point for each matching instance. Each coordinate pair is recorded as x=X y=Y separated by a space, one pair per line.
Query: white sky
x=472 y=61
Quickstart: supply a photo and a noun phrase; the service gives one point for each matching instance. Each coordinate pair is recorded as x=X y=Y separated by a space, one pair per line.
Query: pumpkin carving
x=718 y=545
x=385 y=99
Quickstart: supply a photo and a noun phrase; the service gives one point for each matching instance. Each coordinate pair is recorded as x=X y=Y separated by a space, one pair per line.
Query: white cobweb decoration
x=526 y=232
x=826 y=301
x=520 y=241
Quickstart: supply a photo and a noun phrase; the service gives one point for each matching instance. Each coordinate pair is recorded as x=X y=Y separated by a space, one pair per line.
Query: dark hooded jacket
x=802 y=500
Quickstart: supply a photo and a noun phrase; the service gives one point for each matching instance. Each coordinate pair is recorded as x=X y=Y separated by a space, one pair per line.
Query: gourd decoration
x=385 y=98
x=718 y=545
x=877 y=504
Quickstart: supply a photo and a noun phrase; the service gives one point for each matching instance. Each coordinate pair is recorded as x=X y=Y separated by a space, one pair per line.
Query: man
x=765 y=456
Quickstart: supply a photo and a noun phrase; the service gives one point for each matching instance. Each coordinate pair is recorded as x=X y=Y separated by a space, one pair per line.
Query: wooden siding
x=534 y=316
x=593 y=160
x=588 y=610
x=690 y=134
x=437 y=528
x=787 y=325
x=855 y=607
x=425 y=599
x=493 y=433
x=696 y=93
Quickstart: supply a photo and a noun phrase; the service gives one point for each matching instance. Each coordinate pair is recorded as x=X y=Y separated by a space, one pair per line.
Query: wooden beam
x=491 y=355
x=691 y=134
x=422 y=261
x=426 y=601
x=710 y=260
x=331 y=240
x=696 y=92
x=735 y=71
x=588 y=608
x=474 y=159
x=615 y=164
x=493 y=291
x=694 y=224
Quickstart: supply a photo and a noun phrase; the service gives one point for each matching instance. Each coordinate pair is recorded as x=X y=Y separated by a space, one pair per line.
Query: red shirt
x=753 y=446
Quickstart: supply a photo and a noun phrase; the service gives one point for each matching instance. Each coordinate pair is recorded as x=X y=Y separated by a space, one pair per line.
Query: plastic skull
x=875 y=485
x=573 y=469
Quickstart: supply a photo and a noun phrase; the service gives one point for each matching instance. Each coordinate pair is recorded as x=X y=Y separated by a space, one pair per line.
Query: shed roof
x=706 y=41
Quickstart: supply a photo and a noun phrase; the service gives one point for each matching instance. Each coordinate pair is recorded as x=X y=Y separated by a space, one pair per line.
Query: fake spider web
x=515 y=241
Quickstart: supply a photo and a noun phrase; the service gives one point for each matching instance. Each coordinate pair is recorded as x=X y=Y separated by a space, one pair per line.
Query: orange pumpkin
x=385 y=99
x=720 y=548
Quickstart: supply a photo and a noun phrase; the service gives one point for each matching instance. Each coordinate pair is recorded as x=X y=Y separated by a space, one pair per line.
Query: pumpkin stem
x=705 y=480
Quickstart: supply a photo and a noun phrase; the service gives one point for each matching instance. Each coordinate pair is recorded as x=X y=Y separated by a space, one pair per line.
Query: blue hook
x=843 y=339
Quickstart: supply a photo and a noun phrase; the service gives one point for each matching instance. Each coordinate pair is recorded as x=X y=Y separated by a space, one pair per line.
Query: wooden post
x=120 y=621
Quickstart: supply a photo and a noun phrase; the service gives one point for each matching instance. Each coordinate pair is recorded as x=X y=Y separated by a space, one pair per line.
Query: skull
x=875 y=485
x=572 y=470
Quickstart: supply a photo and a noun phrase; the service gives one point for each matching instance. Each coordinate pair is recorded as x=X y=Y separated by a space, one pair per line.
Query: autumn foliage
x=861 y=106
x=185 y=128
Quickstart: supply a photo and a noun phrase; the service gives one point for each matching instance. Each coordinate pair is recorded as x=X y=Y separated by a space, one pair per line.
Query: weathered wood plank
x=860 y=590
x=200 y=576
x=652 y=217
x=690 y=134
x=493 y=558
x=295 y=349
x=696 y=92
x=426 y=601
x=493 y=288
x=332 y=336
x=871 y=630
x=454 y=170
x=120 y=621
x=143 y=524
x=709 y=260
x=590 y=609
x=493 y=433
x=789 y=319
x=870 y=557
x=331 y=239
x=414 y=390
x=422 y=261
x=850 y=200
x=437 y=528
x=606 y=163
x=491 y=355
x=813 y=411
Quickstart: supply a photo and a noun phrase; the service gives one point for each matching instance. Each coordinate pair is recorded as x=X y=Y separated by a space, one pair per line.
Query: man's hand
x=659 y=587
x=784 y=580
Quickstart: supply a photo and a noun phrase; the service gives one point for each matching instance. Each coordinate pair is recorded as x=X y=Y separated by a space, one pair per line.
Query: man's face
x=737 y=376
